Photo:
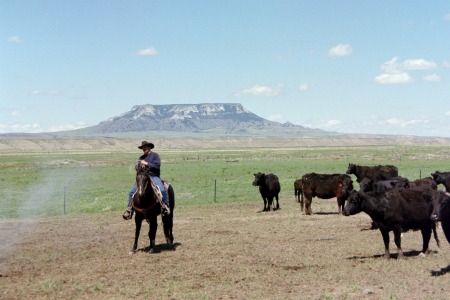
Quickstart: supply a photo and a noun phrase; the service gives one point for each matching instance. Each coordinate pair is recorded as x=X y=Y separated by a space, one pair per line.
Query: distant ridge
x=229 y=119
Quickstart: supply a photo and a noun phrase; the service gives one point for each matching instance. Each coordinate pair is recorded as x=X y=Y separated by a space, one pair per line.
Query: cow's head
x=354 y=204
x=259 y=178
x=437 y=177
x=441 y=206
x=365 y=185
x=351 y=169
x=347 y=185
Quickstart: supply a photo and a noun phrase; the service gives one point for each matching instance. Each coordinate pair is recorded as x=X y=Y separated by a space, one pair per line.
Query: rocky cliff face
x=227 y=117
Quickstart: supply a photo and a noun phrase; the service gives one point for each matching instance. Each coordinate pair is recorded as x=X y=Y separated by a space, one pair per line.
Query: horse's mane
x=142 y=169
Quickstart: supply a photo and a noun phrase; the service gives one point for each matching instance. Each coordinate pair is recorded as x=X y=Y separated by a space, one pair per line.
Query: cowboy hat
x=146 y=144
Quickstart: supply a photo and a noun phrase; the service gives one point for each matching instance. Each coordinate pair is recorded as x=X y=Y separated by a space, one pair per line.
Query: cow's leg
x=138 y=221
x=270 y=203
x=308 y=202
x=436 y=238
x=278 y=203
x=426 y=236
x=398 y=242
x=302 y=203
x=385 y=235
x=340 y=206
x=152 y=233
x=265 y=204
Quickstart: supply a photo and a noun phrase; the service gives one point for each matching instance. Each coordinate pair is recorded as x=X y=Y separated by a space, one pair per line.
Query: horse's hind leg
x=168 y=224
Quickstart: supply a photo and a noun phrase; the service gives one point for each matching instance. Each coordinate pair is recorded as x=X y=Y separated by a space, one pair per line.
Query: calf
x=374 y=173
x=297 y=189
x=325 y=186
x=397 y=210
x=269 y=187
x=442 y=178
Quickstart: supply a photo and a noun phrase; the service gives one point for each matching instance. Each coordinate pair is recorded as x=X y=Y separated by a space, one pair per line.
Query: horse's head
x=142 y=179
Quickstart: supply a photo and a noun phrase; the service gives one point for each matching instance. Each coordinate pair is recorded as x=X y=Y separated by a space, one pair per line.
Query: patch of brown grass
x=221 y=252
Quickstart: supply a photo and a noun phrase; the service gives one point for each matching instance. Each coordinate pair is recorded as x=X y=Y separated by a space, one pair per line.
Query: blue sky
x=379 y=67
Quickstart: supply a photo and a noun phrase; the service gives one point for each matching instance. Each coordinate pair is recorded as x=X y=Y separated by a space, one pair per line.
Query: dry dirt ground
x=220 y=252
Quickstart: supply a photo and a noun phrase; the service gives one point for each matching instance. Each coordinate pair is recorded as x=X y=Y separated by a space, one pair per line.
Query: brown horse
x=146 y=206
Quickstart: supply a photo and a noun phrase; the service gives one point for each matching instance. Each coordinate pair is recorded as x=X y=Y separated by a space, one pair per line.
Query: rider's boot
x=128 y=213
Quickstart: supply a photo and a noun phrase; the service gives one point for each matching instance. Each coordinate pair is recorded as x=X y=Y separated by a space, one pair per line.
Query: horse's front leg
x=152 y=233
x=138 y=221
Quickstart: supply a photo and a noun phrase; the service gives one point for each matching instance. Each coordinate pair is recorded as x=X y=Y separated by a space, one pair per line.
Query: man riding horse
x=153 y=161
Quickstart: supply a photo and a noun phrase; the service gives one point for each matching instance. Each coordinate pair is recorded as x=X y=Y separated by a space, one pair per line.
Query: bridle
x=144 y=188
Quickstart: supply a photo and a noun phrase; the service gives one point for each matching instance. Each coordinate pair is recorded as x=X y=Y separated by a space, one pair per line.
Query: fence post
x=65 y=194
x=215 y=189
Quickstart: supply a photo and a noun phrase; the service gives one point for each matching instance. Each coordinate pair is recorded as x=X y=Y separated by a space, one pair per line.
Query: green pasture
x=50 y=184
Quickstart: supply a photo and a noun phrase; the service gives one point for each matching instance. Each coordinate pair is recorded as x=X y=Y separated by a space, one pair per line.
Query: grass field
x=51 y=184
x=62 y=235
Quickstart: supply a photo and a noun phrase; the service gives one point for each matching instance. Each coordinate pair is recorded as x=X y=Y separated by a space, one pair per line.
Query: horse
x=146 y=206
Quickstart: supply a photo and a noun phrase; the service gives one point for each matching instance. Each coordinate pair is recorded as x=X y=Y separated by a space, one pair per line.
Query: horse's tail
x=171 y=195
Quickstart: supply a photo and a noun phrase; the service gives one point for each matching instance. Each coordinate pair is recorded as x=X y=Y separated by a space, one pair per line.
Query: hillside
x=196 y=126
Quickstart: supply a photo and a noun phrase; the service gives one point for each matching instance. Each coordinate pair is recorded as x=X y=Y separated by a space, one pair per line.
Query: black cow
x=382 y=186
x=325 y=186
x=374 y=173
x=442 y=178
x=441 y=211
x=297 y=189
x=397 y=210
x=427 y=181
x=269 y=187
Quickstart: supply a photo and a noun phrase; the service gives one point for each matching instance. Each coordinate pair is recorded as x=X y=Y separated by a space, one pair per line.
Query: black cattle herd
x=394 y=203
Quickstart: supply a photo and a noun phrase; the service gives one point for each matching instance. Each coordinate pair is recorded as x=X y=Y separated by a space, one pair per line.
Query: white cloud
x=418 y=64
x=393 y=78
x=394 y=72
x=340 y=50
x=332 y=123
x=447 y=113
x=391 y=66
x=275 y=118
x=20 y=128
x=447 y=17
x=260 y=90
x=304 y=86
x=15 y=39
x=147 y=51
x=45 y=93
x=432 y=77
x=65 y=127
x=18 y=112
x=37 y=128
x=404 y=123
